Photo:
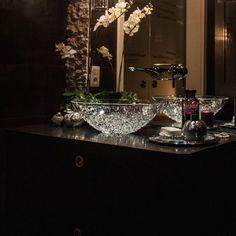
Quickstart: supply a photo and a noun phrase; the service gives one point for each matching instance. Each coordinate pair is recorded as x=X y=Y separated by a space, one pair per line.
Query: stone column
x=78 y=37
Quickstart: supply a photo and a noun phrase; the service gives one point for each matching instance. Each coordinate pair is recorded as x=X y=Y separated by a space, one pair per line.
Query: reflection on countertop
x=138 y=140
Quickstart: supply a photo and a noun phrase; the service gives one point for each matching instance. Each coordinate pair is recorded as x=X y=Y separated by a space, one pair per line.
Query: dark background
x=31 y=73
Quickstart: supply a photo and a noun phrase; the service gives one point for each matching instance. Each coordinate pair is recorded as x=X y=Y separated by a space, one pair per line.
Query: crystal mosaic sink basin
x=212 y=103
x=172 y=106
x=116 y=117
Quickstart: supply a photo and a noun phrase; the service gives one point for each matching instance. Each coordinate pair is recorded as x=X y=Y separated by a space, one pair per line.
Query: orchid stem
x=121 y=66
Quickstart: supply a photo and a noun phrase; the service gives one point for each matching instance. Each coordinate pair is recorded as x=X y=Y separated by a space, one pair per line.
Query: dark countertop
x=138 y=140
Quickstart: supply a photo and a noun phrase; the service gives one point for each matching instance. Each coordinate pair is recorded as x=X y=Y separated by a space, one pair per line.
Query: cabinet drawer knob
x=79 y=161
x=77 y=232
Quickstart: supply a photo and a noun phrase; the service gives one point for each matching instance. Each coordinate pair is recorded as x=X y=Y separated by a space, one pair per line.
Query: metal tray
x=228 y=126
x=209 y=139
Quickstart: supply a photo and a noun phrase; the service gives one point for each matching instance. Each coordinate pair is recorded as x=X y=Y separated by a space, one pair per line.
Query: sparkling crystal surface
x=116 y=118
x=172 y=106
x=212 y=103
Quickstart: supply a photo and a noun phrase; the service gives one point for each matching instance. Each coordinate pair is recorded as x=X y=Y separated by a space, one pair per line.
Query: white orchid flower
x=66 y=51
x=112 y=14
x=104 y=51
x=131 y=26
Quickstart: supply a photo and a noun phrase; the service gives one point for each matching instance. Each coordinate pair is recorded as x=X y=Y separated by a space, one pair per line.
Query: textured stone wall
x=78 y=37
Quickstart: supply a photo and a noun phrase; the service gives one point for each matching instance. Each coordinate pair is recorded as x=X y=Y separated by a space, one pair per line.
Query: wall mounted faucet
x=165 y=72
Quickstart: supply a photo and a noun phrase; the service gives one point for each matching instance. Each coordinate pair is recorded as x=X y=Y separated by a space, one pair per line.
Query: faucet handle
x=178 y=71
x=131 y=68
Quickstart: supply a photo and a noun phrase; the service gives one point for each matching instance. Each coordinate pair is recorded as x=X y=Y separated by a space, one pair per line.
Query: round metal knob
x=79 y=161
x=154 y=83
x=143 y=84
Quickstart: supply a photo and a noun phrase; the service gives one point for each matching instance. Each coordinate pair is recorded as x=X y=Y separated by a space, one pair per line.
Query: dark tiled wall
x=31 y=73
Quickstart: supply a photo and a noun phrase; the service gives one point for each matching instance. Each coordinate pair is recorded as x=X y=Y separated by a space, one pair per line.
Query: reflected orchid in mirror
x=112 y=14
x=66 y=51
x=104 y=51
x=130 y=26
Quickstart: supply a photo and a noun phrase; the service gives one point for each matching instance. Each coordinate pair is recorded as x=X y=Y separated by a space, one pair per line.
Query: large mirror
x=199 y=34
x=160 y=39
x=225 y=48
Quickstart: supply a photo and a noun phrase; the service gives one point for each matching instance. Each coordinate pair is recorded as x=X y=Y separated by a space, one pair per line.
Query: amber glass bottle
x=190 y=106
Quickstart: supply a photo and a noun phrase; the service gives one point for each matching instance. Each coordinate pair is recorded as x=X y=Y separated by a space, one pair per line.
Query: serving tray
x=209 y=139
x=228 y=126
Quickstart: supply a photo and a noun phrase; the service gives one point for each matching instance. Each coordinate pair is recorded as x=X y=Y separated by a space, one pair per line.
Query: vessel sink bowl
x=171 y=106
x=116 y=117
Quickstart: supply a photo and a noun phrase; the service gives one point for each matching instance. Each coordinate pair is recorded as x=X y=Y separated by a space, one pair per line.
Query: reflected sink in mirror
x=116 y=117
x=212 y=103
x=172 y=106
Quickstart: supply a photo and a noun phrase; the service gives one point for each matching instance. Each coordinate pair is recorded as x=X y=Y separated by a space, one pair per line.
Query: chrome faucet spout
x=154 y=71
x=164 y=71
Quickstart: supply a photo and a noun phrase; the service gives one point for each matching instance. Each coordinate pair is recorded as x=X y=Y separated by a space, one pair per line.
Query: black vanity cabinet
x=39 y=186
x=58 y=185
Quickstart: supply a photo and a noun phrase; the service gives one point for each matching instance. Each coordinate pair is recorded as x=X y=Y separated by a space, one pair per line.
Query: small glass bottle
x=190 y=106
